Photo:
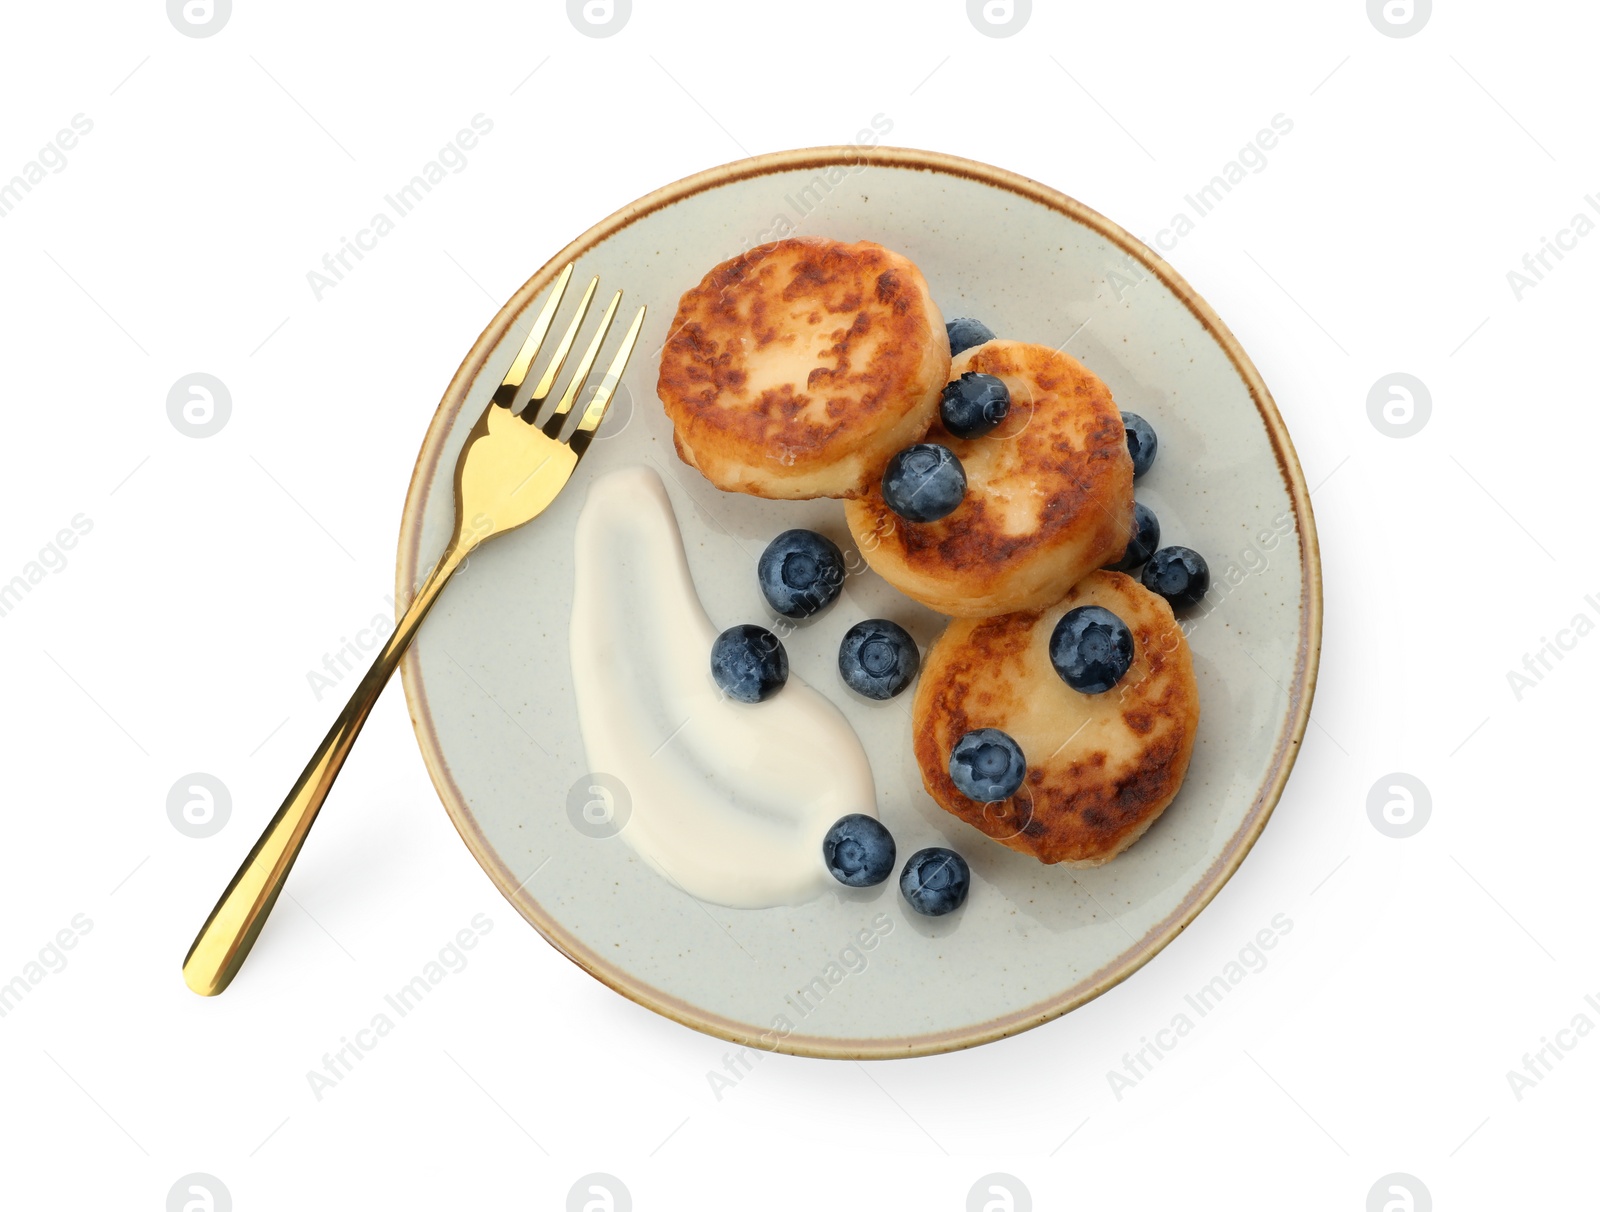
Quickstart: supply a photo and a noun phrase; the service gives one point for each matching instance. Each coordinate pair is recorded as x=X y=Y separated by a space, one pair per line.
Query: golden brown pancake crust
x=1102 y=767
x=798 y=368
x=1049 y=494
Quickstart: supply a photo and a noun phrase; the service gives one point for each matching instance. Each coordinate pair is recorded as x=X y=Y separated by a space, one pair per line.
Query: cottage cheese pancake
x=796 y=370
x=1049 y=494
x=1100 y=767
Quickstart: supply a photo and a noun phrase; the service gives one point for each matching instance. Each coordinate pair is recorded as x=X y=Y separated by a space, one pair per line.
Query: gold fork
x=511 y=468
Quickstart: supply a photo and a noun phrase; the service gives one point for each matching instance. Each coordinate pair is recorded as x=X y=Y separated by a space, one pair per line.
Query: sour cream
x=728 y=800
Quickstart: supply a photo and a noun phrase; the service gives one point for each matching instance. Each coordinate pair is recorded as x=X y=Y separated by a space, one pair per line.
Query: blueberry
x=1091 y=649
x=749 y=663
x=859 y=851
x=986 y=765
x=1177 y=574
x=1146 y=538
x=877 y=658
x=924 y=483
x=974 y=404
x=935 y=881
x=800 y=573
x=1141 y=442
x=965 y=332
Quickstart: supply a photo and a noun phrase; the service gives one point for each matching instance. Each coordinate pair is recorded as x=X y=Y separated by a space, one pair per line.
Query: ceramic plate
x=489 y=681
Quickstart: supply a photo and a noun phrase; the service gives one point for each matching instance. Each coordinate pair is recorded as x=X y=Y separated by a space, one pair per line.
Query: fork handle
x=229 y=933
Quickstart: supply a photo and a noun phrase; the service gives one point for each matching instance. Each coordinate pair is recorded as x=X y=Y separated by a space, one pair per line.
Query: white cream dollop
x=728 y=800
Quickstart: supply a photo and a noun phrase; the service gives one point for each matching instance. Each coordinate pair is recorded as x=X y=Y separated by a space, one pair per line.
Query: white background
x=218 y=572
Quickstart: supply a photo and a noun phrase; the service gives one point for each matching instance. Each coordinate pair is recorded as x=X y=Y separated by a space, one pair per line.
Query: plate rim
x=1301 y=690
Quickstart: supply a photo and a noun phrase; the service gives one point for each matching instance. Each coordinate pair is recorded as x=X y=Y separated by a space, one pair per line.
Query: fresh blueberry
x=935 y=881
x=965 y=332
x=1177 y=574
x=1091 y=649
x=1141 y=442
x=986 y=765
x=878 y=658
x=859 y=851
x=1146 y=538
x=974 y=404
x=924 y=483
x=800 y=573
x=749 y=663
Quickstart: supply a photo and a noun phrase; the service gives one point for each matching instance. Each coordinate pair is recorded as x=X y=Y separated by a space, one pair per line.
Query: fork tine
x=506 y=393
x=595 y=413
x=552 y=426
x=548 y=380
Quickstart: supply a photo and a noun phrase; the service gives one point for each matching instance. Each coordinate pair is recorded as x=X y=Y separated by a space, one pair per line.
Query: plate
x=855 y=974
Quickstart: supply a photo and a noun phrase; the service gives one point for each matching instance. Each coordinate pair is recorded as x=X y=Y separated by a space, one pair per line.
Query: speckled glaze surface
x=489 y=684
